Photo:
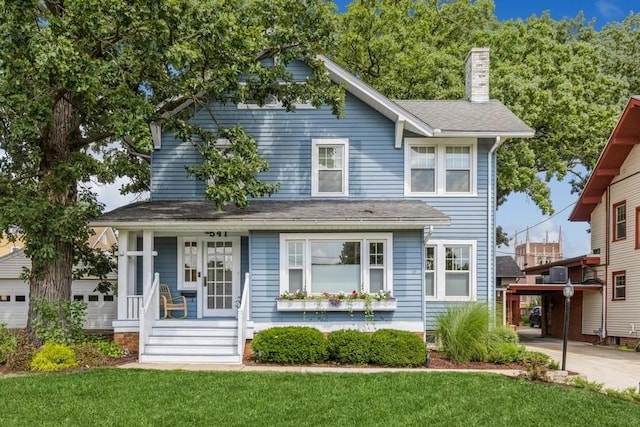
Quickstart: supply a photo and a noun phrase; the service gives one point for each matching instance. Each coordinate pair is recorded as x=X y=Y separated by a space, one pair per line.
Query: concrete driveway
x=607 y=365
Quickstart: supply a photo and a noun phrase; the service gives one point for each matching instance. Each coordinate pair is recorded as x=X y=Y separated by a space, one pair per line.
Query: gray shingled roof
x=507 y=267
x=463 y=116
x=277 y=214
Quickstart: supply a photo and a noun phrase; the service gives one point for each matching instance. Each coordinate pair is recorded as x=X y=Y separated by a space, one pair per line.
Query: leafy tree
x=552 y=74
x=81 y=80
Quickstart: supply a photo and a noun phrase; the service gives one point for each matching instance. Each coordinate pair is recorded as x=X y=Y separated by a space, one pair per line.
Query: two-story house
x=610 y=202
x=396 y=196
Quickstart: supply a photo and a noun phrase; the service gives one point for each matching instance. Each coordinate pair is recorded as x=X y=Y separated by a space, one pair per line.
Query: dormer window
x=330 y=160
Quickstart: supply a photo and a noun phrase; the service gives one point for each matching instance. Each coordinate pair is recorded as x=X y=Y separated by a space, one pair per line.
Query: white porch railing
x=134 y=304
x=150 y=311
x=243 y=316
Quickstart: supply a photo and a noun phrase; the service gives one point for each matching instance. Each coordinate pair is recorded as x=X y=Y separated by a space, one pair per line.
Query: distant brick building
x=529 y=254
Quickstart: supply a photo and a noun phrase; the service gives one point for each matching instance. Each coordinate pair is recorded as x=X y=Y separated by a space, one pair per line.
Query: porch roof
x=276 y=215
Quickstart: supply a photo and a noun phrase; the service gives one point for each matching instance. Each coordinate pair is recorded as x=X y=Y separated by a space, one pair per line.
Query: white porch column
x=123 y=273
x=147 y=260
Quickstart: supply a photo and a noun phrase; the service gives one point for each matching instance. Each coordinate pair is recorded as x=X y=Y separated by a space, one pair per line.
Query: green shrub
x=87 y=354
x=349 y=346
x=49 y=326
x=535 y=364
x=19 y=357
x=462 y=332
x=504 y=353
x=53 y=357
x=106 y=346
x=290 y=344
x=502 y=334
x=8 y=343
x=391 y=347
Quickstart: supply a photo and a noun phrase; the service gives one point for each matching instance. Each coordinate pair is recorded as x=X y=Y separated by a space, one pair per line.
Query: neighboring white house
x=14 y=295
x=610 y=201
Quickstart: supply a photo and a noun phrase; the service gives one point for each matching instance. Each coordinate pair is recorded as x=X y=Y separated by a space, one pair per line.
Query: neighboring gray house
x=397 y=196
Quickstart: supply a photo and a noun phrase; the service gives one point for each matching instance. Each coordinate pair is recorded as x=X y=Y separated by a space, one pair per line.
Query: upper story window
x=620 y=220
x=619 y=284
x=330 y=162
x=450 y=270
x=334 y=263
x=439 y=166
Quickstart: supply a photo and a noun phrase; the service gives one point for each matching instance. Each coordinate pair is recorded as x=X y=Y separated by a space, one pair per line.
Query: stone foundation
x=127 y=340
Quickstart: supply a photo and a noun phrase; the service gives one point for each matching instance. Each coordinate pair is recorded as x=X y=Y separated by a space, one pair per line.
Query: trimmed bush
x=53 y=357
x=504 y=353
x=349 y=346
x=290 y=345
x=462 y=332
x=391 y=347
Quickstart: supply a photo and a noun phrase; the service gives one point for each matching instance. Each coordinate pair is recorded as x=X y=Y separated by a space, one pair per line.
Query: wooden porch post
x=147 y=260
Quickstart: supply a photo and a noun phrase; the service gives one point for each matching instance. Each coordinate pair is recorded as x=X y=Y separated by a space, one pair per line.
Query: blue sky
x=519 y=212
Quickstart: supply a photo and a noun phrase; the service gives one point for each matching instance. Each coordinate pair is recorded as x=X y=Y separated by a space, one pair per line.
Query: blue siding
x=376 y=170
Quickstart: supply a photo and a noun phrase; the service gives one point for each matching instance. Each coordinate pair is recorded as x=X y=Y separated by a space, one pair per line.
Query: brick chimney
x=476 y=75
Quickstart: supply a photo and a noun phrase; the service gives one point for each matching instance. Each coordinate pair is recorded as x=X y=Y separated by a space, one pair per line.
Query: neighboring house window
x=330 y=159
x=188 y=256
x=619 y=285
x=450 y=270
x=440 y=166
x=620 y=221
x=430 y=271
x=333 y=263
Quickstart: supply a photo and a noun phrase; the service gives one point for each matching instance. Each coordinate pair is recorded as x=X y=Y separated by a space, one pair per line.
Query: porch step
x=185 y=341
x=183 y=358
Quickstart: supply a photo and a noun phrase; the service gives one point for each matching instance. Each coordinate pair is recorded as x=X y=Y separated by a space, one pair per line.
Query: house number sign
x=216 y=233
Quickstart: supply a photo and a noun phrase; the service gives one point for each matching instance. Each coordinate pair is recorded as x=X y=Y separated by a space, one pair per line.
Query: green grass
x=115 y=397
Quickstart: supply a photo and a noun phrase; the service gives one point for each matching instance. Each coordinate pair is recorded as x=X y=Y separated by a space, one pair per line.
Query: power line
x=546 y=219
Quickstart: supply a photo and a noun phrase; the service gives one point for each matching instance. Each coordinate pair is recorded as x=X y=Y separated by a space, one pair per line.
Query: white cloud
x=608 y=9
x=110 y=196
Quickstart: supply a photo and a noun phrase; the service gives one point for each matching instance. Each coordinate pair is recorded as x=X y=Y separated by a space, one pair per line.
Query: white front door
x=221 y=277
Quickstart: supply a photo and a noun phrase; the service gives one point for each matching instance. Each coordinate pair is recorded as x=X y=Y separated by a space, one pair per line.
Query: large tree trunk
x=50 y=279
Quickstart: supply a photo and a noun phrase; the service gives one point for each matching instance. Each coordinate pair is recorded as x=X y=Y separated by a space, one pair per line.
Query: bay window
x=334 y=263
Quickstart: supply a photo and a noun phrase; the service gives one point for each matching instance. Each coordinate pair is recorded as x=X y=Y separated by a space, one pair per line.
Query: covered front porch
x=229 y=268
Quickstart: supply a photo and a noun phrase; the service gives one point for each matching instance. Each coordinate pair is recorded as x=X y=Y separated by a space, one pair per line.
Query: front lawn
x=135 y=397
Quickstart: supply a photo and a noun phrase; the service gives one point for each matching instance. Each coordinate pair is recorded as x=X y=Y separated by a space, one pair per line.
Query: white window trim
x=277 y=105
x=440 y=145
x=440 y=272
x=315 y=144
x=190 y=286
x=364 y=238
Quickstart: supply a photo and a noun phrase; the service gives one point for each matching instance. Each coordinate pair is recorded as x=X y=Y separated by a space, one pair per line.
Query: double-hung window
x=620 y=221
x=450 y=270
x=440 y=166
x=619 y=285
x=334 y=263
x=330 y=161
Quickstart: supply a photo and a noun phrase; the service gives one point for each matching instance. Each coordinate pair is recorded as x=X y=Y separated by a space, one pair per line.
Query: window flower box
x=348 y=305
